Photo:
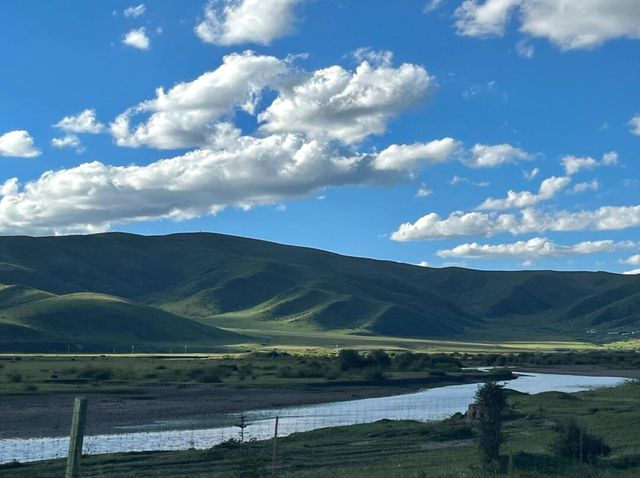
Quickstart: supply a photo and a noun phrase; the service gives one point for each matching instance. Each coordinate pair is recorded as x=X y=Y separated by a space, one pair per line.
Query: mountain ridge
x=206 y=279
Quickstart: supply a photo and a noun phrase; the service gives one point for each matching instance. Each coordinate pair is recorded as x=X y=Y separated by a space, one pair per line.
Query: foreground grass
x=402 y=449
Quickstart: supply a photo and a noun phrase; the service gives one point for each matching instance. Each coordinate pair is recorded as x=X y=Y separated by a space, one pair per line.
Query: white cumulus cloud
x=18 y=144
x=593 y=185
x=83 y=122
x=475 y=223
x=574 y=164
x=568 y=24
x=633 y=260
x=331 y=103
x=490 y=156
x=536 y=248
x=548 y=189
x=137 y=38
x=185 y=115
x=235 y=170
x=413 y=156
x=69 y=141
x=345 y=105
x=235 y=22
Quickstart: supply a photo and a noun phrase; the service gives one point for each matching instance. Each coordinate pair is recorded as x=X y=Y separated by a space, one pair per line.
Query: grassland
x=405 y=449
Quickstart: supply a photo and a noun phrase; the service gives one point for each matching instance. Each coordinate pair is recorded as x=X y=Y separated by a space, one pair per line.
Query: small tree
x=242 y=423
x=573 y=442
x=491 y=401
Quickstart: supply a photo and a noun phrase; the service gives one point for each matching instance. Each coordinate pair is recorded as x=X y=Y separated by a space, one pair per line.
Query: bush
x=573 y=442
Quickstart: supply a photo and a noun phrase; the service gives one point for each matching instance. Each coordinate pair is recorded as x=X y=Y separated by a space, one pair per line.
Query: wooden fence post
x=76 y=438
x=275 y=442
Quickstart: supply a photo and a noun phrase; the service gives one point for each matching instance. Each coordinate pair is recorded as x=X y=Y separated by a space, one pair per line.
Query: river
x=426 y=405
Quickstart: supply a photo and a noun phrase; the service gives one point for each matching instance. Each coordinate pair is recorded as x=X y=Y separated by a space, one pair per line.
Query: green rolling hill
x=113 y=289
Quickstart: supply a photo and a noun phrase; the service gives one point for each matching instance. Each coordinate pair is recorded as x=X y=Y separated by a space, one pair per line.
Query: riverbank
x=396 y=449
x=49 y=414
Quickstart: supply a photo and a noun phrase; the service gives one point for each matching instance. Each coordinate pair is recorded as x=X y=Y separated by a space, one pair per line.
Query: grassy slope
x=221 y=279
x=29 y=317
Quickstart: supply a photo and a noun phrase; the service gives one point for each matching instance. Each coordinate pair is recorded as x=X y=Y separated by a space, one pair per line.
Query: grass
x=404 y=449
x=77 y=373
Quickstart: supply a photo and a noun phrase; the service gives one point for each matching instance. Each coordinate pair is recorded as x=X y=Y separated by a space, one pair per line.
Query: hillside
x=121 y=287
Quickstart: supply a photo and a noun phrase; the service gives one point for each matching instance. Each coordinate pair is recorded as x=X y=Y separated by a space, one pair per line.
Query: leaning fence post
x=76 y=438
x=275 y=442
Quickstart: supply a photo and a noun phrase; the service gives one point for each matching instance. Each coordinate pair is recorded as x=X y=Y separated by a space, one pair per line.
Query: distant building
x=591 y=331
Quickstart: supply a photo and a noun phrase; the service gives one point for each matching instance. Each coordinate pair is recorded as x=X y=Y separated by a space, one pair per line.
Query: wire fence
x=219 y=440
x=258 y=425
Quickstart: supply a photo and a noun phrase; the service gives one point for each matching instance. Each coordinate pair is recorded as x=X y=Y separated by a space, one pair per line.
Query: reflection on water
x=426 y=405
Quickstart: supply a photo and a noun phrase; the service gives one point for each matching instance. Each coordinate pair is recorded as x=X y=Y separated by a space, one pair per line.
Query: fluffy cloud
x=234 y=22
x=484 y=19
x=413 y=156
x=137 y=38
x=535 y=248
x=84 y=122
x=593 y=185
x=633 y=260
x=18 y=144
x=632 y=272
x=635 y=125
x=332 y=103
x=460 y=223
x=134 y=12
x=185 y=115
x=568 y=24
x=490 y=156
x=345 y=105
x=236 y=170
x=573 y=164
x=69 y=141
x=548 y=189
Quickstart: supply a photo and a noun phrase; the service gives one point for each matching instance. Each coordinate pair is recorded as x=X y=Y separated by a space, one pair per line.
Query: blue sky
x=394 y=133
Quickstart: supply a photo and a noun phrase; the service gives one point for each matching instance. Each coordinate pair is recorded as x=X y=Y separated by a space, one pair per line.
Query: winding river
x=425 y=405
